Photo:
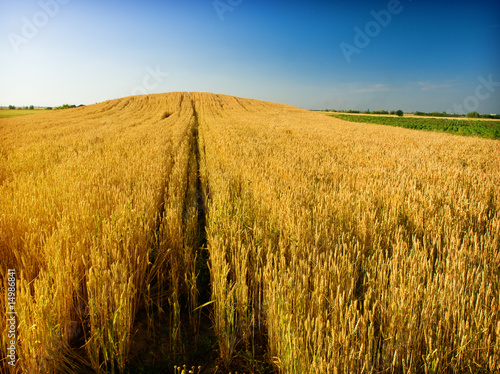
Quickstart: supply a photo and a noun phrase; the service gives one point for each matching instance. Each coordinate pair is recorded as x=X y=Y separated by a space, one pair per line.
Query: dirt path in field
x=204 y=286
x=151 y=344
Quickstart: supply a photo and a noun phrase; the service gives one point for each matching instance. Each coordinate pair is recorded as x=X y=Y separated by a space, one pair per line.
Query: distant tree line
x=32 y=107
x=67 y=106
x=477 y=115
x=392 y=112
x=12 y=107
x=468 y=115
x=417 y=113
x=436 y=114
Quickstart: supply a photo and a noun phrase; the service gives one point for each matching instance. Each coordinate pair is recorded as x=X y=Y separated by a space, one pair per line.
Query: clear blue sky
x=429 y=56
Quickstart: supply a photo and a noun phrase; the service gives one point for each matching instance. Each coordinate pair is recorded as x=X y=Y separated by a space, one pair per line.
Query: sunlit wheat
x=333 y=247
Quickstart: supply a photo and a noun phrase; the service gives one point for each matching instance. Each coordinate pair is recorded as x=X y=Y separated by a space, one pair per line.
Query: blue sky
x=410 y=55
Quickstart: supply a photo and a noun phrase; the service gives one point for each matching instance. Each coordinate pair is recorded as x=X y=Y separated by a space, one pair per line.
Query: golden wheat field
x=239 y=235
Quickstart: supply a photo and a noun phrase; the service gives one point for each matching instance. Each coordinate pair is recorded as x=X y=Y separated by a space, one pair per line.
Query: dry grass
x=334 y=246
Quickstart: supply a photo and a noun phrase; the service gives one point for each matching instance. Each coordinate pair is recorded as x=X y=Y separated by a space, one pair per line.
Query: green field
x=9 y=113
x=482 y=128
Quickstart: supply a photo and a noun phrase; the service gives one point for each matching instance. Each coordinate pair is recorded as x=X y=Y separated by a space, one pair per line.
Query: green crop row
x=485 y=129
